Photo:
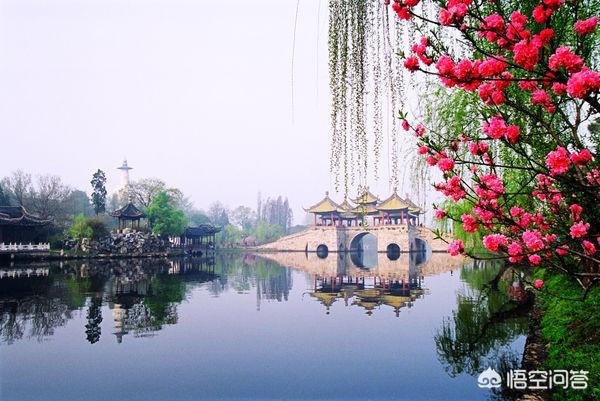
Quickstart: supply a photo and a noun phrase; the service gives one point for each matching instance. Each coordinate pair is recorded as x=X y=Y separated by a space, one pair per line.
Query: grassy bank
x=572 y=330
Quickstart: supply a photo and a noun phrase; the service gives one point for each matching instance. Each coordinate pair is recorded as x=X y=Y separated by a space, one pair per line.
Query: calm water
x=288 y=326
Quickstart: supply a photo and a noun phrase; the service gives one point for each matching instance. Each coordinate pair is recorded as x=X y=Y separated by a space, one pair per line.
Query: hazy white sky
x=197 y=93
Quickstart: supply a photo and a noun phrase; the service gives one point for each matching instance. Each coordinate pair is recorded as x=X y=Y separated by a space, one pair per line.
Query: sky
x=196 y=93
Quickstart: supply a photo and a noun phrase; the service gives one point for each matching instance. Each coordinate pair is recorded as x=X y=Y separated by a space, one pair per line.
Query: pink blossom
x=583 y=83
x=564 y=58
x=420 y=130
x=470 y=223
x=514 y=249
x=582 y=158
x=405 y=125
x=575 y=211
x=423 y=150
x=533 y=240
x=512 y=134
x=440 y=214
x=456 y=247
x=583 y=27
x=411 y=63
x=589 y=247
x=538 y=283
x=496 y=128
x=493 y=242
x=526 y=54
x=540 y=97
x=445 y=164
x=579 y=229
x=535 y=259
x=558 y=161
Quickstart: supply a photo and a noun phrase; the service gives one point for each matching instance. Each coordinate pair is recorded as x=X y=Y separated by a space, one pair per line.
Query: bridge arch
x=393 y=251
x=363 y=241
x=322 y=251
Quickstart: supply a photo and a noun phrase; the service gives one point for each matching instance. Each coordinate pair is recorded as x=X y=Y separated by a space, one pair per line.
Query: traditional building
x=369 y=210
x=129 y=213
x=326 y=212
x=393 y=210
x=18 y=226
x=197 y=239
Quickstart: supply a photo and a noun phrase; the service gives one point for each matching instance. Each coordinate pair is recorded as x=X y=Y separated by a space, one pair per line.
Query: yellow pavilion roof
x=394 y=202
x=325 y=206
x=366 y=198
x=365 y=209
x=325 y=298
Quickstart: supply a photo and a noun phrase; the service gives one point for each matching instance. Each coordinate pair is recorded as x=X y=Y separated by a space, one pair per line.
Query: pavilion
x=366 y=206
x=202 y=237
x=129 y=213
x=392 y=211
x=327 y=212
x=19 y=226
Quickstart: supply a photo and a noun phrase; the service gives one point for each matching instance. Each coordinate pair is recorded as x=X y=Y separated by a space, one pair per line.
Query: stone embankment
x=126 y=243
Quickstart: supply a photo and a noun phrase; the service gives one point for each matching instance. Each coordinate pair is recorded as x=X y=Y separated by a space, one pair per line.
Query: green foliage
x=572 y=330
x=99 y=191
x=197 y=218
x=265 y=232
x=80 y=228
x=163 y=217
x=90 y=228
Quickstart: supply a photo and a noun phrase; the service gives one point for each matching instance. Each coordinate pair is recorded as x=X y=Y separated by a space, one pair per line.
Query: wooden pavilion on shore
x=197 y=239
x=19 y=226
x=129 y=213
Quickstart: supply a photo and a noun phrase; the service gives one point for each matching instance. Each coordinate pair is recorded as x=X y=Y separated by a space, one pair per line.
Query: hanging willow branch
x=365 y=73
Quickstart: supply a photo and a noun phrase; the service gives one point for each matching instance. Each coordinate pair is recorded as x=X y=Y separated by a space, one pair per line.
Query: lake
x=288 y=326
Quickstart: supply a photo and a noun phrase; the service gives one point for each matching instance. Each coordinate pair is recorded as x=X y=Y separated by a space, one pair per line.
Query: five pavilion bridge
x=390 y=238
x=394 y=225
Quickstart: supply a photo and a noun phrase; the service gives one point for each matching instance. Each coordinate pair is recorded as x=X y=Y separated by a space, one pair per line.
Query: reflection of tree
x=165 y=292
x=485 y=322
x=31 y=307
x=94 y=317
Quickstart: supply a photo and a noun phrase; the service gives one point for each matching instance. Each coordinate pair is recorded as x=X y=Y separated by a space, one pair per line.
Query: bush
x=92 y=228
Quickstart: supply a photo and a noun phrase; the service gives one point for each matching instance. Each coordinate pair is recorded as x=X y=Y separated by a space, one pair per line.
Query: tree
x=164 y=219
x=525 y=165
x=19 y=186
x=4 y=199
x=99 y=192
x=145 y=190
x=49 y=195
x=80 y=228
x=218 y=214
x=243 y=217
x=78 y=203
x=197 y=217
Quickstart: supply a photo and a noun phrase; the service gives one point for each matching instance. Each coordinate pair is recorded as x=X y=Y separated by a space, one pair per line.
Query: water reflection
x=231 y=313
x=492 y=311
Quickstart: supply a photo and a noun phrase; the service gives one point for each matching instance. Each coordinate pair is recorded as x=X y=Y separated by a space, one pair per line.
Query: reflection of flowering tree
x=529 y=175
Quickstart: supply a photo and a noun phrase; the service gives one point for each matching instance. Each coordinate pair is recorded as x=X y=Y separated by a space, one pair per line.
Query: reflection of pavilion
x=395 y=283
x=368 y=292
x=139 y=308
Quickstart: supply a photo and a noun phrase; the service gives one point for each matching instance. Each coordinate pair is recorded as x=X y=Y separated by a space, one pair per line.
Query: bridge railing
x=42 y=246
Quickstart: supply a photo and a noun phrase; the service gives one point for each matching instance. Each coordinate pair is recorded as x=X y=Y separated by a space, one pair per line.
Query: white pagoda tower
x=124 y=174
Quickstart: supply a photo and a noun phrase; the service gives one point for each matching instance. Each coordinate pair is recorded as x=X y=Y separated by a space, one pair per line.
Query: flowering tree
x=529 y=173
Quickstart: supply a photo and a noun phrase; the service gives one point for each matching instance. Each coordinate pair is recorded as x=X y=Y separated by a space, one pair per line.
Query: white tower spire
x=125 y=173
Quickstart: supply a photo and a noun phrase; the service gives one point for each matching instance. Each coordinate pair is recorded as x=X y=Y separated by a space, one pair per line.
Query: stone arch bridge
x=347 y=239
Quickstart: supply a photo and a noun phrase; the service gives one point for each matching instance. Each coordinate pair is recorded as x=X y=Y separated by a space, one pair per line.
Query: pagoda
x=327 y=212
x=19 y=226
x=129 y=213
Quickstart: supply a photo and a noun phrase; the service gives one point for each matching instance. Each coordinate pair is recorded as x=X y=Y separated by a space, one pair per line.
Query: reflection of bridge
x=404 y=238
x=391 y=282
x=344 y=264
